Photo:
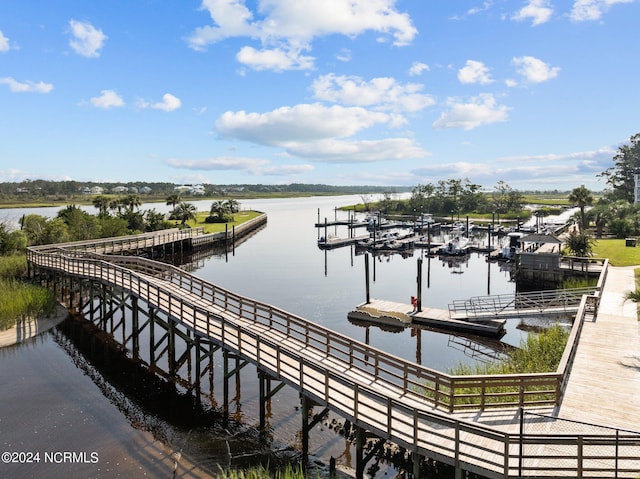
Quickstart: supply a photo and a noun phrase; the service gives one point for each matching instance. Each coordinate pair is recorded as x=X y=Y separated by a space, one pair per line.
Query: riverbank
x=29 y=328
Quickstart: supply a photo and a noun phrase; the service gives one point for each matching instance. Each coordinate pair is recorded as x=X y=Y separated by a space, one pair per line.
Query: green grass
x=18 y=299
x=261 y=472
x=617 y=252
x=238 y=218
x=13 y=267
x=540 y=353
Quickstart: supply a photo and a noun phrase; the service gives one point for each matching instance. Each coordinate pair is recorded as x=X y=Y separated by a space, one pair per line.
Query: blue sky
x=537 y=93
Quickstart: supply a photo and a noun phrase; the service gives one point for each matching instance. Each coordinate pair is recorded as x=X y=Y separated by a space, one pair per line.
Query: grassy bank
x=540 y=353
x=617 y=252
x=19 y=299
x=238 y=218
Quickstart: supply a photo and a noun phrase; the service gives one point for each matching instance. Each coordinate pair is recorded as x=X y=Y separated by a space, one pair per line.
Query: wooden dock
x=401 y=314
x=469 y=422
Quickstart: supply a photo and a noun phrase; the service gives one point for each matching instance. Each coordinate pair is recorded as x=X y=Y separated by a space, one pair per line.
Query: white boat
x=455 y=247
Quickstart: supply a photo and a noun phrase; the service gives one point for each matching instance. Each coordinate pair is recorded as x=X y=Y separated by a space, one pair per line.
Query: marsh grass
x=13 y=267
x=19 y=299
x=261 y=472
x=539 y=353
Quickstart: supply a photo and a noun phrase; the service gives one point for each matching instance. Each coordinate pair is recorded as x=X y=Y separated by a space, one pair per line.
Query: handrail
x=413 y=399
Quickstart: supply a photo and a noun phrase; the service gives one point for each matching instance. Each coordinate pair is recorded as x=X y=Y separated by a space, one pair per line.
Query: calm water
x=55 y=400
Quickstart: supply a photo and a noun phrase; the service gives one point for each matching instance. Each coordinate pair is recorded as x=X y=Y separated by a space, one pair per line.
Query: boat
x=457 y=246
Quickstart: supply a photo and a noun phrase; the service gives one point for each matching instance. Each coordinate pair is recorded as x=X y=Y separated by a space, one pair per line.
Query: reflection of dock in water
x=478 y=348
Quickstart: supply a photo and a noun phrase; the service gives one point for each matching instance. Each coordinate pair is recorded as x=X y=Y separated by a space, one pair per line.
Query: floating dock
x=391 y=313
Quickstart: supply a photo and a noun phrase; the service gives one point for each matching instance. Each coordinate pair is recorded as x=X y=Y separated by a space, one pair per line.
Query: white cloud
x=364 y=151
x=544 y=171
x=87 y=40
x=168 y=103
x=539 y=11
x=300 y=123
x=584 y=10
x=481 y=110
x=381 y=93
x=286 y=28
x=254 y=166
x=475 y=10
x=474 y=72
x=318 y=132
x=275 y=59
x=344 y=55
x=418 y=68
x=107 y=99
x=535 y=70
x=218 y=163
x=4 y=43
x=27 y=86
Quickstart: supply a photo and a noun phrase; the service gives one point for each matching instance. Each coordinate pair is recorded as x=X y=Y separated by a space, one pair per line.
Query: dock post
x=416 y=461
x=366 y=276
x=306 y=409
x=325 y=231
x=360 y=463
x=262 y=379
x=419 y=292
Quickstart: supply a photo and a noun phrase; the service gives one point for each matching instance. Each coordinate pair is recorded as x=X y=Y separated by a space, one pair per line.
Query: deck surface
x=604 y=384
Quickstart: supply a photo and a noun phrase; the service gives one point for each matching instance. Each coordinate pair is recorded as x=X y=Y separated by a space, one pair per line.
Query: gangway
x=535 y=303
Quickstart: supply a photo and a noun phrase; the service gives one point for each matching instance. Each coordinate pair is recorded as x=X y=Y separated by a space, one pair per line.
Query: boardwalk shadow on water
x=196 y=433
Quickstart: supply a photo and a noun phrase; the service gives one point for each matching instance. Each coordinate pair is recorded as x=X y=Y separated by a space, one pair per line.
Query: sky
x=539 y=94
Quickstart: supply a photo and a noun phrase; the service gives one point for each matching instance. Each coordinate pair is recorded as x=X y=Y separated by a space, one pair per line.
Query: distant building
x=120 y=189
x=145 y=190
x=636 y=189
x=190 y=189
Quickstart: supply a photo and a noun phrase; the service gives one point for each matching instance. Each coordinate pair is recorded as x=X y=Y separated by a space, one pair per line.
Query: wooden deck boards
x=604 y=383
x=603 y=386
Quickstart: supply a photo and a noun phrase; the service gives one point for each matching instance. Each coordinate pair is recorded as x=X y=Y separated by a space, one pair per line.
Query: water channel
x=54 y=399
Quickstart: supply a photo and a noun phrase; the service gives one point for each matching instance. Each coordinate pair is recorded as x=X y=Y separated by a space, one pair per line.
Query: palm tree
x=581 y=197
x=173 y=200
x=232 y=206
x=580 y=244
x=102 y=203
x=219 y=211
x=184 y=212
x=132 y=202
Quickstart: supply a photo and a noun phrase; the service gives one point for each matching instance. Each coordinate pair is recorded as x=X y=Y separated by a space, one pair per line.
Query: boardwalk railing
x=519 y=304
x=396 y=399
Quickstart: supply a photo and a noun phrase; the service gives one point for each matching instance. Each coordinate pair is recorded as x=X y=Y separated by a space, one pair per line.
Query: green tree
x=580 y=244
x=34 y=227
x=131 y=202
x=620 y=176
x=184 y=212
x=582 y=198
x=219 y=212
x=101 y=202
x=113 y=226
x=173 y=200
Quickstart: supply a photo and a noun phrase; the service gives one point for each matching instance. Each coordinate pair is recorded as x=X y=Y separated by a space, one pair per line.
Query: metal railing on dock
x=561 y=301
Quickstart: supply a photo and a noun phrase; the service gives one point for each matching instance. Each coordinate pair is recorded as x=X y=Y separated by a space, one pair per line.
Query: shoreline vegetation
x=21 y=300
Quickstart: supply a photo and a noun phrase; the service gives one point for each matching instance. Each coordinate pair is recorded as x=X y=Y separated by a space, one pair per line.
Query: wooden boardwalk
x=471 y=422
x=604 y=384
